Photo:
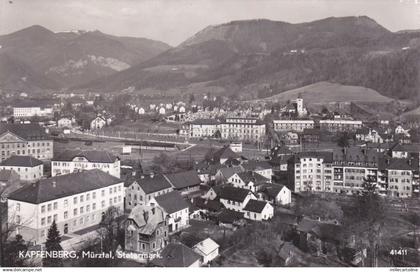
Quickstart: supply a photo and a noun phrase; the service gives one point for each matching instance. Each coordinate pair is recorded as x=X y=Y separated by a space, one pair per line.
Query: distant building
x=146 y=230
x=248 y=180
x=71 y=161
x=258 y=210
x=27 y=167
x=203 y=128
x=275 y=193
x=247 y=129
x=340 y=125
x=64 y=122
x=293 y=125
x=31 y=108
x=98 y=123
x=177 y=255
x=75 y=202
x=25 y=140
x=234 y=198
x=162 y=110
x=208 y=249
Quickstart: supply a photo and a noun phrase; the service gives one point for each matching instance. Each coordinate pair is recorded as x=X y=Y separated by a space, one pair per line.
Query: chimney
x=145 y=216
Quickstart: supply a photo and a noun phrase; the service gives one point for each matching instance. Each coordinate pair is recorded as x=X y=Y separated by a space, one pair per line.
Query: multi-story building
x=401 y=176
x=141 y=191
x=27 y=167
x=75 y=202
x=248 y=129
x=71 y=161
x=352 y=166
x=146 y=230
x=203 y=128
x=25 y=139
x=28 y=109
x=311 y=171
x=293 y=125
x=340 y=125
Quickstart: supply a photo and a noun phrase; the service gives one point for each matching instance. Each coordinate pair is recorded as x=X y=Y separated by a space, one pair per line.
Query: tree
x=191 y=98
x=12 y=248
x=315 y=207
x=344 y=140
x=53 y=245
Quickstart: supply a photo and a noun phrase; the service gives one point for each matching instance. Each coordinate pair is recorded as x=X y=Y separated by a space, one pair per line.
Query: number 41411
x=398 y=252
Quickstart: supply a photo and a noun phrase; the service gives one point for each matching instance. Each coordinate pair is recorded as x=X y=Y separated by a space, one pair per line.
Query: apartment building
x=247 y=129
x=293 y=125
x=311 y=171
x=27 y=167
x=203 y=128
x=338 y=125
x=26 y=140
x=71 y=161
x=75 y=202
x=28 y=109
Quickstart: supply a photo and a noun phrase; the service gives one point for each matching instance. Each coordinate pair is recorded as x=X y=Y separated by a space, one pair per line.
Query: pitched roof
x=223 y=153
x=147 y=218
x=206 y=246
x=23 y=161
x=229 y=216
x=205 y=122
x=399 y=164
x=171 y=202
x=155 y=183
x=254 y=177
x=7 y=175
x=25 y=131
x=414 y=148
x=271 y=189
x=255 y=205
x=99 y=156
x=63 y=186
x=207 y=204
x=253 y=165
x=233 y=193
x=356 y=154
x=176 y=255
x=227 y=172
x=327 y=156
x=184 y=179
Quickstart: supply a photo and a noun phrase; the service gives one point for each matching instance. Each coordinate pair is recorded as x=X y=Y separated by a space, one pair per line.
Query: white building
x=71 y=161
x=258 y=210
x=248 y=129
x=98 y=123
x=64 y=122
x=203 y=128
x=29 y=109
x=176 y=208
x=234 y=198
x=275 y=193
x=340 y=125
x=162 y=110
x=75 y=202
x=208 y=249
x=27 y=167
x=141 y=111
x=293 y=125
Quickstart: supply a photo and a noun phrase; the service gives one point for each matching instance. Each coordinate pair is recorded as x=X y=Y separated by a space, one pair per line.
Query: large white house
x=293 y=125
x=75 y=202
x=248 y=129
x=27 y=167
x=27 y=109
x=71 y=161
x=258 y=210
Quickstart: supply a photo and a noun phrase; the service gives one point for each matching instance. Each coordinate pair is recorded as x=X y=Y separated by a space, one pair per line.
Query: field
x=326 y=92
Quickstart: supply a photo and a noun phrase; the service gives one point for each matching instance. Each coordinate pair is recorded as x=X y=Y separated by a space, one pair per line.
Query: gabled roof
x=176 y=255
x=227 y=172
x=356 y=154
x=184 y=179
x=152 y=184
x=255 y=205
x=63 y=186
x=271 y=189
x=207 y=204
x=223 y=153
x=99 y=156
x=254 y=177
x=171 y=202
x=22 y=161
x=147 y=218
x=27 y=132
x=414 y=148
x=229 y=216
x=206 y=246
x=411 y=164
x=233 y=193
x=253 y=165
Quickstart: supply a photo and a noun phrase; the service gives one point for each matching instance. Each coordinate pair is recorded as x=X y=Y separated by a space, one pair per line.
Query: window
x=103 y=192
x=81 y=220
x=103 y=203
x=66 y=203
x=66 y=214
x=110 y=202
x=49 y=219
x=42 y=233
x=93 y=195
x=75 y=212
x=18 y=207
x=55 y=217
x=43 y=209
x=74 y=200
x=81 y=210
x=81 y=198
x=55 y=205
x=94 y=206
x=110 y=190
x=49 y=207
x=42 y=221
x=87 y=208
x=87 y=197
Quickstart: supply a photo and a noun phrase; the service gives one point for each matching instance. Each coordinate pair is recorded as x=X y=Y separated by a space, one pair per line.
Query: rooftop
x=172 y=202
x=255 y=206
x=99 y=156
x=22 y=161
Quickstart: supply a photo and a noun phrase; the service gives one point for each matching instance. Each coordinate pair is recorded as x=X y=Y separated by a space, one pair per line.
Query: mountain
x=259 y=58
x=58 y=60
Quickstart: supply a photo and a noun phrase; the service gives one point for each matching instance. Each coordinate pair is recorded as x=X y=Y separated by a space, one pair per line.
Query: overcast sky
x=173 y=21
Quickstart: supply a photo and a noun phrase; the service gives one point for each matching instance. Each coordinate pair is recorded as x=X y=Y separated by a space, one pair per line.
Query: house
x=248 y=180
x=98 y=123
x=258 y=210
x=275 y=193
x=222 y=155
x=162 y=110
x=234 y=198
x=141 y=191
x=29 y=108
x=223 y=174
x=208 y=249
x=75 y=202
x=206 y=207
x=181 y=109
x=175 y=207
x=185 y=182
x=141 y=111
x=369 y=135
x=70 y=161
x=177 y=255
x=261 y=167
x=27 y=167
x=146 y=230
x=64 y=122
x=230 y=219
x=25 y=139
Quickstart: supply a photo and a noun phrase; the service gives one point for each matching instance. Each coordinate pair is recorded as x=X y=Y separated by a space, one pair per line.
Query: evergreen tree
x=11 y=252
x=53 y=244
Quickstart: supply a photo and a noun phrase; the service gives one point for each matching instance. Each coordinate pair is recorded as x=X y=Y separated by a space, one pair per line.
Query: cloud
x=128 y=11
